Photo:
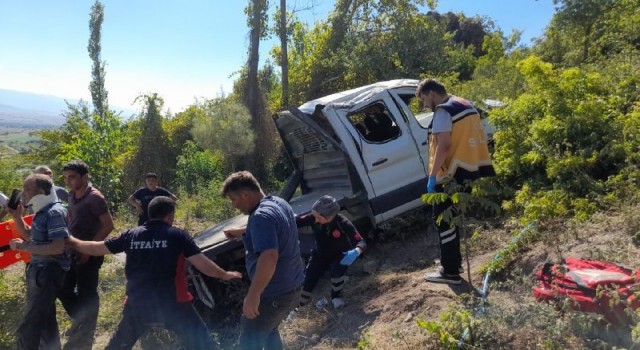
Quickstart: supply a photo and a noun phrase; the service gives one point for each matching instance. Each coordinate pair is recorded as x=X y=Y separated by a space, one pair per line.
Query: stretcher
x=8 y=231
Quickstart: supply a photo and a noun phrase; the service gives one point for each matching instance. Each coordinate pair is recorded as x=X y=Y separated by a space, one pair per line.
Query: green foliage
x=560 y=140
x=466 y=199
x=225 y=129
x=10 y=175
x=450 y=327
x=364 y=42
x=12 y=293
x=196 y=168
x=205 y=203
x=153 y=152
x=97 y=140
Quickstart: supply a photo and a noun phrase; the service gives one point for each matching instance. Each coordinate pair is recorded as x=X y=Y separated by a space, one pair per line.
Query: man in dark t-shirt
x=156 y=282
x=141 y=198
x=89 y=220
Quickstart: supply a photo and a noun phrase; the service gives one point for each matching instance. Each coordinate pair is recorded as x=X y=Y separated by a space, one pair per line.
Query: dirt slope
x=383 y=306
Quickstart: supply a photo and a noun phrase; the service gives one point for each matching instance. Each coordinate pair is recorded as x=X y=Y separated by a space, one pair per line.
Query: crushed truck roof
x=354 y=96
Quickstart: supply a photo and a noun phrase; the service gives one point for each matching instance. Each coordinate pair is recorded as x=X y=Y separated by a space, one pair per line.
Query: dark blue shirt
x=272 y=226
x=50 y=223
x=145 y=195
x=153 y=252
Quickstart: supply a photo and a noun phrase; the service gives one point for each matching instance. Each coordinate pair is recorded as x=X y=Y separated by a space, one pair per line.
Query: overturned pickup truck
x=367 y=147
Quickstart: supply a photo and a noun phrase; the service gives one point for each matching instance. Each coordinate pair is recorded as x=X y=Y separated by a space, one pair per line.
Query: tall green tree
x=253 y=96
x=96 y=138
x=96 y=87
x=153 y=152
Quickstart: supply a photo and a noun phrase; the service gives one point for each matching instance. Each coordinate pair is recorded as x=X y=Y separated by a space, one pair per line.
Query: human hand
x=350 y=257
x=250 y=306
x=16 y=244
x=17 y=212
x=230 y=275
x=234 y=233
x=431 y=185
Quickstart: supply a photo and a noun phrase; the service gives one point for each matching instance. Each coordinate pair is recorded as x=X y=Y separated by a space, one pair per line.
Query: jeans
x=80 y=299
x=39 y=327
x=262 y=331
x=180 y=318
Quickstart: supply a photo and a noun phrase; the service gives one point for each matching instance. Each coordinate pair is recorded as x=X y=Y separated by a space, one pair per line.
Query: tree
x=225 y=129
x=253 y=96
x=153 y=152
x=284 y=56
x=583 y=15
x=96 y=138
x=96 y=87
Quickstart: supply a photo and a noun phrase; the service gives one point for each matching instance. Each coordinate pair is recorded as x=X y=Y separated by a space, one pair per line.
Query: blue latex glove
x=431 y=185
x=350 y=257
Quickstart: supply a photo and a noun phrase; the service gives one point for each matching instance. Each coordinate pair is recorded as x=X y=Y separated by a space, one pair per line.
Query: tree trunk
x=254 y=99
x=254 y=58
x=284 y=55
x=587 y=42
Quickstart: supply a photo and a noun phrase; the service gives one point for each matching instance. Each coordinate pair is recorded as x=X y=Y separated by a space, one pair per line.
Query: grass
x=12 y=293
x=20 y=140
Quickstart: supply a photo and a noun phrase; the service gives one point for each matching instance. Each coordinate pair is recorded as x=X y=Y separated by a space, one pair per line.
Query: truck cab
x=367 y=147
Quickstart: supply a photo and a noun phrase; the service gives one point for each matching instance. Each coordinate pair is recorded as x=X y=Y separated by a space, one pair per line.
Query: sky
x=182 y=50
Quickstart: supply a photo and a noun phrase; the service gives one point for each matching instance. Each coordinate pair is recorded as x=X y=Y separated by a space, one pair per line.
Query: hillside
x=387 y=296
x=384 y=306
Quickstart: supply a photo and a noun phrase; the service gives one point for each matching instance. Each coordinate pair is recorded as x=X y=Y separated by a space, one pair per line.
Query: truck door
x=390 y=155
x=416 y=117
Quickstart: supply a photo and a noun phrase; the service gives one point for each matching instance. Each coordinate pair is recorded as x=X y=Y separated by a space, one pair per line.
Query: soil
x=383 y=307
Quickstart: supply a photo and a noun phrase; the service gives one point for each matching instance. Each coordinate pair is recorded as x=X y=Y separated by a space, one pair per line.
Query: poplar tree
x=96 y=87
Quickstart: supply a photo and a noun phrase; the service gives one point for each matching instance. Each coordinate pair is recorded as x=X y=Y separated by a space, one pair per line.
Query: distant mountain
x=27 y=109
x=35 y=111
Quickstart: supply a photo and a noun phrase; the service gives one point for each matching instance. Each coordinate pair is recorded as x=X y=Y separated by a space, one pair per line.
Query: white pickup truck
x=367 y=147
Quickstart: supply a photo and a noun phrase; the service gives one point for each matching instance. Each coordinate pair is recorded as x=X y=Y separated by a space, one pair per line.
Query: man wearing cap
x=338 y=245
x=272 y=253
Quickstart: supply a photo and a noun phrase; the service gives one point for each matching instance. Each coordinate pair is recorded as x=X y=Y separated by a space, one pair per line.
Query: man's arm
x=55 y=247
x=23 y=229
x=106 y=226
x=265 y=268
x=235 y=233
x=443 y=144
x=88 y=247
x=209 y=268
x=135 y=203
